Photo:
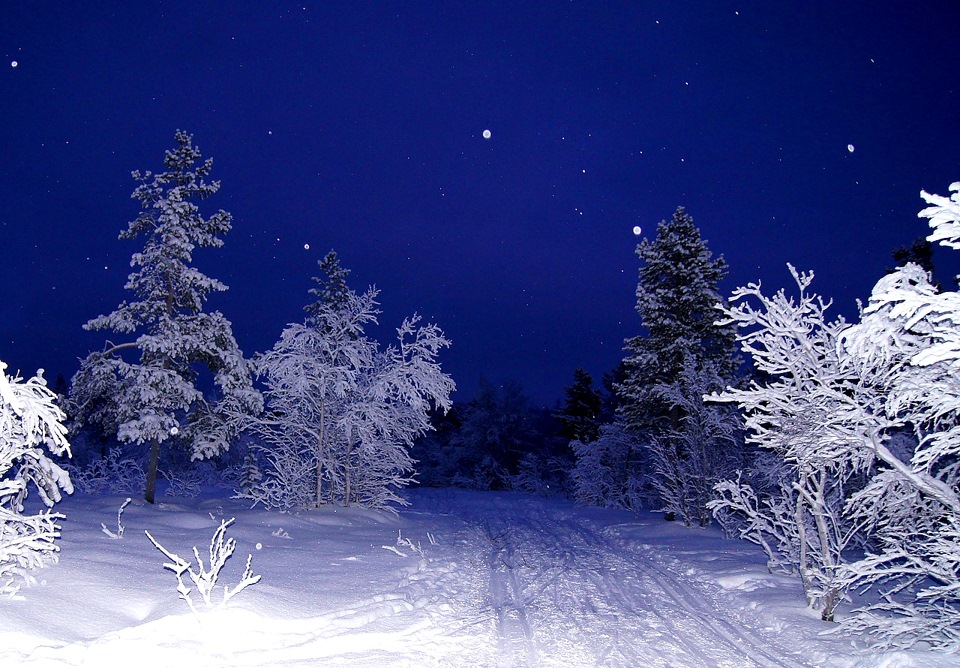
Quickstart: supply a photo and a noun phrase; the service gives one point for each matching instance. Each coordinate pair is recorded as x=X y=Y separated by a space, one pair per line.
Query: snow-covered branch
x=205 y=577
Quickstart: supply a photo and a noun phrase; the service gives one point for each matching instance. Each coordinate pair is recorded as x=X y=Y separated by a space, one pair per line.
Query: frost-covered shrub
x=535 y=475
x=113 y=474
x=608 y=472
x=185 y=483
x=30 y=422
x=700 y=449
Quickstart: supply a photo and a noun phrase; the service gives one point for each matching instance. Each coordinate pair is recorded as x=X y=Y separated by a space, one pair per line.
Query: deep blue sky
x=358 y=126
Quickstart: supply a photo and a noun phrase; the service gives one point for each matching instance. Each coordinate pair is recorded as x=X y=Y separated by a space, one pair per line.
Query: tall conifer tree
x=681 y=355
x=677 y=296
x=144 y=388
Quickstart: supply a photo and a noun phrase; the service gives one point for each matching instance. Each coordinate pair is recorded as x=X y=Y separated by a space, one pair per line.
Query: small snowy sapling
x=119 y=532
x=205 y=577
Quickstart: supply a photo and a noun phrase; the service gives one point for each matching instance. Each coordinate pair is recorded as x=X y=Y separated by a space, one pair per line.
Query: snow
x=486 y=579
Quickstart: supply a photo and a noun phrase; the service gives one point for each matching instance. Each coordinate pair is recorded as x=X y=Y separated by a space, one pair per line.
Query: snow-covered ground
x=458 y=579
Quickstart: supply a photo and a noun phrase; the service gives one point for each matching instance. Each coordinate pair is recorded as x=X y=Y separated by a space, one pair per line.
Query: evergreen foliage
x=677 y=295
x=497 y=430
x=581 y=411
x=144 y=390
x=681 y=354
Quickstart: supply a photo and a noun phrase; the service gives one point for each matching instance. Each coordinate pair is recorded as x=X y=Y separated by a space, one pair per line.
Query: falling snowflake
x=306 y=246
x=636 y=230
x=13 y=63
x=850 y=147
x=487 y=134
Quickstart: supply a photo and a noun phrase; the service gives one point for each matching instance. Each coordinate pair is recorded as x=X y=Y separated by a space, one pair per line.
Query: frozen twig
x=119 y=532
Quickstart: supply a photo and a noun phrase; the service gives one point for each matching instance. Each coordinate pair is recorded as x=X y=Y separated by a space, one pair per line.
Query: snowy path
x=561 y=593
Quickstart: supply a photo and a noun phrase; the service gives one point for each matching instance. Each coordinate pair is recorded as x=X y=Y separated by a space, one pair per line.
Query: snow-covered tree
x=676 y=296
x=907 y=348
x=839 y=404
x=803 y=415
x=608 y=471
x=703 y=447
x=143 y=388
x=342 y=413
x=31 y=425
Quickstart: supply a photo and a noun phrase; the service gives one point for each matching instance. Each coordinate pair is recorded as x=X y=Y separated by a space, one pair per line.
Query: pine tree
x=677 y=296
x=144 y=389
x=581 y=410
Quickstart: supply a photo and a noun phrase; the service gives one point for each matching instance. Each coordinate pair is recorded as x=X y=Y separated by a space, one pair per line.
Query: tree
x=690 y=457
x=676 y=299
x=607 y=471
x=30 y=422
x=907 y=347
x=144 y=389
x=497 y=430
x=341 y=413
x=802 y=414
x=838 y=405
x=920 y=253
x=581 y=410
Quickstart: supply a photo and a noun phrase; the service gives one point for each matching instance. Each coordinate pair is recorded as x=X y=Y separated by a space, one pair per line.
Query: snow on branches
x=342 y=413
x=864 y=418
x=205 y=577
x=152 y=397
x=802 y=414
x=29 y=423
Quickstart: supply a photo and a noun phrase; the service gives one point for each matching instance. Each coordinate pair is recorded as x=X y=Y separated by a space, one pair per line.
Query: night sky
x=792 y=131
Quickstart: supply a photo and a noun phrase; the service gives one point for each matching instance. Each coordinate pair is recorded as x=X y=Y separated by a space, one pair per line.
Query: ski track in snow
x=563 y=594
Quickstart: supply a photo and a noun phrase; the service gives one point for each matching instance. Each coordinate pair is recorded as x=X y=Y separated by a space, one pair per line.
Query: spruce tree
x=581 y=410
x=144 y=389
x=681 y=355
x=677 y=296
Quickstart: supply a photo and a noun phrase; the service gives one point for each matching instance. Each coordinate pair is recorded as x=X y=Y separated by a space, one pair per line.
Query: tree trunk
x=322 y=456
x=152 y=471
x=347 y=472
